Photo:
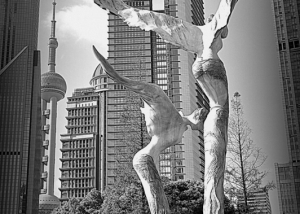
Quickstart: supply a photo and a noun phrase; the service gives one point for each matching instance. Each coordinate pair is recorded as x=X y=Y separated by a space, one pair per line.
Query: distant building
x=258 y=201
x=83 y=148
x=53 y=89
x=287 y=25
x=20 y=107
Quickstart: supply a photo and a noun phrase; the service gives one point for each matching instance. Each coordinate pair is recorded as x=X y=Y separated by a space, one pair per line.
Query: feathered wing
x=173 y=30
x=221 y=18
x=147 y=90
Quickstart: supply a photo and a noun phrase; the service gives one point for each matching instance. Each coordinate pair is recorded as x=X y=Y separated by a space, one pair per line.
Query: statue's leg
x=145 y=167
x=215 y=142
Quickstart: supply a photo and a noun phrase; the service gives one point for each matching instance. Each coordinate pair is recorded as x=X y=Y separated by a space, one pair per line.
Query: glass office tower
x=286 y=13
x=20 y=107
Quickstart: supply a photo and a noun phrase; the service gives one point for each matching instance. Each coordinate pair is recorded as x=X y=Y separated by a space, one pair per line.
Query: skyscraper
x=83 y=153
x=20 y=108
x=287 y=25
x=53 y=89
x=142 y=55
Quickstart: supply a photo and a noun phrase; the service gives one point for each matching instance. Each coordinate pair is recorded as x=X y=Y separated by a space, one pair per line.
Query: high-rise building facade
x=20 y=107
x=258 y=201
x=142 y=55
x=287 y=13
x=53 y=89
x=83 y=149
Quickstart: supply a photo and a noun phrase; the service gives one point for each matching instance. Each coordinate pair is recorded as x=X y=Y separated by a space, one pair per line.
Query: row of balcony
x=75 y=158
x=68 y=148
x=76 y=178
x=75 y=188
x=68 y=168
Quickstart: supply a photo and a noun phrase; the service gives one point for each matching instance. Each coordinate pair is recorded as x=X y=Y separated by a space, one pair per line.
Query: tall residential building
x=258 y=201
x=287 y=14
x=83 y=152
x=20 y=107
x=53 y=89
x=142 y=55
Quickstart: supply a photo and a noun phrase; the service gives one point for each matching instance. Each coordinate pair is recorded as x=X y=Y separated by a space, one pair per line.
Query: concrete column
x=102 y=141
x=51 y=148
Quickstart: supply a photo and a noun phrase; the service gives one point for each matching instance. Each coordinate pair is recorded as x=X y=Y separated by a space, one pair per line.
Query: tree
x=69 y=207
x=244 y=158
x=90 y=204
x=185 y=196
x=124 y=200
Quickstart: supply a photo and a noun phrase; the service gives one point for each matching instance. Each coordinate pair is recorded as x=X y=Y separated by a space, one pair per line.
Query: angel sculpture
x=205 y=41
x=164 y=124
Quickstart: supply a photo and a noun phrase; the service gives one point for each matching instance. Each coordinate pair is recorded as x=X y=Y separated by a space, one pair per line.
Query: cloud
x=83 y=21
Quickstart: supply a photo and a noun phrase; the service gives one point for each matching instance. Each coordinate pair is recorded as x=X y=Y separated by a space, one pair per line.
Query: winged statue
x=164 y=123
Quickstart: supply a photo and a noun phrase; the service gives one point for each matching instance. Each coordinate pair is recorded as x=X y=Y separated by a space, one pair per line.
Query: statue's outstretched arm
x=173 y=30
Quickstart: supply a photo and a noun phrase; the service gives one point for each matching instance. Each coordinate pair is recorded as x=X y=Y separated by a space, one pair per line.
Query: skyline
x=249 y=55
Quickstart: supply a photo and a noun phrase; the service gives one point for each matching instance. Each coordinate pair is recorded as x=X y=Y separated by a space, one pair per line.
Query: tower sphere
x=53 y=85
x=53 y=43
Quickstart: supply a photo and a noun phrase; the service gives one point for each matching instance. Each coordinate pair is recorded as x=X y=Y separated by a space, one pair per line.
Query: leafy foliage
x=124 y=200
x=69 y=207
x=185 y=196
x=90 y=204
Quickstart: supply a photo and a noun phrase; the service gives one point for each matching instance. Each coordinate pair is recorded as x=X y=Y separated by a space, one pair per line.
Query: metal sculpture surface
x=205 y=41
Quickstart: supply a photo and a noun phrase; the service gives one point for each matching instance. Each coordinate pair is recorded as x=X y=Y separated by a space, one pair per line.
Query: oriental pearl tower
x=53 y=89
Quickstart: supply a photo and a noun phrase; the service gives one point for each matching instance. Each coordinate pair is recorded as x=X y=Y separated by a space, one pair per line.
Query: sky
x=249 y=54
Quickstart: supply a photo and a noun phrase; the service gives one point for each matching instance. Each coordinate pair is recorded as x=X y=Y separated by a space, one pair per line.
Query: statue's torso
x=211 y=76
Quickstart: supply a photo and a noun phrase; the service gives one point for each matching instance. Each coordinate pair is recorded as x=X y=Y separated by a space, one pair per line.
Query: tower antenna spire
x=53 y=44
x=53 y=21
